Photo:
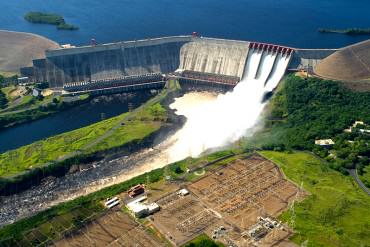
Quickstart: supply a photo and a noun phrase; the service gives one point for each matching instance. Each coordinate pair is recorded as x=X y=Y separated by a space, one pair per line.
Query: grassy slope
x=7 y=90
x=336 y=214
x=39 y=152
x=142 y=123
x=26 y=102
x=365 y=178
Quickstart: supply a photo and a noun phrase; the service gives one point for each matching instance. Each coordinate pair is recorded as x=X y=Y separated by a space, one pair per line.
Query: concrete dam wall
x=191 y=57
x=93 y=63
x=214 y=56
x=144 y=57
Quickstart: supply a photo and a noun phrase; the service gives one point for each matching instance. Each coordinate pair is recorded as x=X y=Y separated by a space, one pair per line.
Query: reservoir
x=99 y=108
x=292 y=23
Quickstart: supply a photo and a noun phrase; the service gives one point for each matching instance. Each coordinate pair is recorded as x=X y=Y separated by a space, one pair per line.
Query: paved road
x=354 y=174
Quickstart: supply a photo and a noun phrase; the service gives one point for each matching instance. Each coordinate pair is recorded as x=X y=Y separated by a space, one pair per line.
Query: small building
x=110 y=203
x=183 y=192
x=138 y=209
x=36 y=92
x=324 y=142
x=24 y=81
x=358 y=123
x=67 y=46
x=153 y=207
x=349 y=130
x=365 y=131
x=136 y=190
x=141 y=209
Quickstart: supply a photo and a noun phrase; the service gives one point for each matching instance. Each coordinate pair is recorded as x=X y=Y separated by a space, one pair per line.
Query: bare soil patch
x=18 y=49
x=113 y=229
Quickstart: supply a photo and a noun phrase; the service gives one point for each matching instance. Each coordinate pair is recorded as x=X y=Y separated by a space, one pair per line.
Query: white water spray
x=227 y=118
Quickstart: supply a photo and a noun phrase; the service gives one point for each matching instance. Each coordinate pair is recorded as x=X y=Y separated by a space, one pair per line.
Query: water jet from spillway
x=227 y=118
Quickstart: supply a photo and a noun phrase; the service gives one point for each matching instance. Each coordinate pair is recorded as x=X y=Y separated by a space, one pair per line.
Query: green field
x=337 y=213
x=103 y=135
x=365 y=177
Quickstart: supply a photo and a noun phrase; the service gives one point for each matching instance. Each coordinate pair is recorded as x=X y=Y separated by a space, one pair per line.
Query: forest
x=305 y=110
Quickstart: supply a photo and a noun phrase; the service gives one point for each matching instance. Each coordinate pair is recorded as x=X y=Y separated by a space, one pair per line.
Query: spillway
x=278 y=72
x=253 y=63
x=266 y=67
x=230 y=116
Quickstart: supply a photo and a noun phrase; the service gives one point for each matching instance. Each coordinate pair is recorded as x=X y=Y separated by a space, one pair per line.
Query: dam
x=148 y=63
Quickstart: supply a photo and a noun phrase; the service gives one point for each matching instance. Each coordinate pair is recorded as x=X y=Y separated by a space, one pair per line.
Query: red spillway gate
x=271 y=47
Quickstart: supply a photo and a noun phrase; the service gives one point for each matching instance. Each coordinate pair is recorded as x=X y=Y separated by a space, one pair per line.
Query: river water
x=285 y=22
x=98 y=108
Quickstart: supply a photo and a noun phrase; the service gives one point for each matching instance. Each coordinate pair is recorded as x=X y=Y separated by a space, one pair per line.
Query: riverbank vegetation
x=336 y=213
x=348 y=31
x=103 y=136
x=20 y=106
x=305 y=110
x=115 y=131
x=3 y=100
x=51 y=19
x=7 y=78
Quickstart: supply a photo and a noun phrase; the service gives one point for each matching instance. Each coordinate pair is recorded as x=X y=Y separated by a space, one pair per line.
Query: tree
x=178 y=170
x=55 y=101
x=3 y=100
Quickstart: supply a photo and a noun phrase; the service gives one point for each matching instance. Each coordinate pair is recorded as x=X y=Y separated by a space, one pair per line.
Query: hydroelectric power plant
x=248 y=70
x=124 y=66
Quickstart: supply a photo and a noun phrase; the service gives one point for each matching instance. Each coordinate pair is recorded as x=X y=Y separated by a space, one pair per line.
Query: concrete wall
x=113 y=60
x=225 y=57
x=308 y=58
x=161 y=55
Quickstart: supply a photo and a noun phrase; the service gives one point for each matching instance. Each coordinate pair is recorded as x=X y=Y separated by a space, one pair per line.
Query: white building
x=140 y=209
x=324 y=142
x=110 y=203
x=183 y=192
x=36 y=92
